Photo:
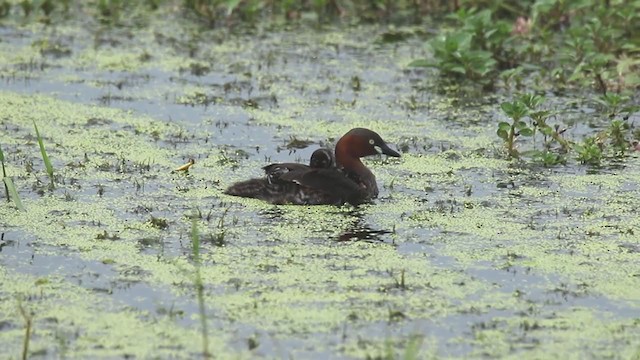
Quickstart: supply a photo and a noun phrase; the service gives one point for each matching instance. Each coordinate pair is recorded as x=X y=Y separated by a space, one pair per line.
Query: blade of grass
x=45 y=157
x=195 y=242
x=11 y=189
x=2 y=161
x=4 y=173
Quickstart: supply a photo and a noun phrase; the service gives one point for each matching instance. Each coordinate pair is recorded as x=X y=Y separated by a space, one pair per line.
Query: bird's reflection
x=363 y=233
x=356 y=230
x=274 y=213
x=359 y=230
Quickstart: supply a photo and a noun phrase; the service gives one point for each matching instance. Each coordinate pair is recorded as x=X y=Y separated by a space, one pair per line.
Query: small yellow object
x=186 y=166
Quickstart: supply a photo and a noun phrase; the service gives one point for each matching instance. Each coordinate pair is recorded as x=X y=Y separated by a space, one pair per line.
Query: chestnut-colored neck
x=349 y=162
x=354 y=168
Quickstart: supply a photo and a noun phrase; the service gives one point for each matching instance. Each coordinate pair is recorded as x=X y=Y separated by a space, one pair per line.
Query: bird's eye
x=371 y=141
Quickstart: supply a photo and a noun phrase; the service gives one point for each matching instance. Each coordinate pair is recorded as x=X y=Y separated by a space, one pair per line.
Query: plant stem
x=510 y=141
x=28 y=318
x=195 y=241
x=4 y=173
x=6 y=189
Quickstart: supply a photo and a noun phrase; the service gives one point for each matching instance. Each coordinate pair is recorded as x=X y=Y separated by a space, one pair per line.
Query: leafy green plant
x=476 y=50
x=529 y=106
x=45 y=157
x=508 y=132
x=614 y=103
x=489 y=34
x=539 y=118
x=617 y=133
x=455 y=57
x=548 y=158
x=589 y=151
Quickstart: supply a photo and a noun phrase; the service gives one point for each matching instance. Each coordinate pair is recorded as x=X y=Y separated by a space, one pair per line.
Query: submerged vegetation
x=508 y=228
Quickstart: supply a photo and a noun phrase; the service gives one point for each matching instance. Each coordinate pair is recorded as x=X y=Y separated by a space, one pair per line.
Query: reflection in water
x=273 y=213
x=363 y=234
x=5 y=242
x=357 y=230
x=360 y=231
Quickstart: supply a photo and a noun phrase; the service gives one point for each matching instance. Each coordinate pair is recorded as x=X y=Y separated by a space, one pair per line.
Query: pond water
x=464 y=254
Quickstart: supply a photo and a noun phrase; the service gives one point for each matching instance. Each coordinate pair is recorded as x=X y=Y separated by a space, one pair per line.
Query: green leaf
x=1 y=155
x=503 y=125
x=503 y=134
x=520 y=125
x=540 y=114
x=507 y=107
x=45 y=157
x=526 y=132
x=546 y=130
x=14 y=193
x=458 y=70
x=515 y=110
x=532 y=101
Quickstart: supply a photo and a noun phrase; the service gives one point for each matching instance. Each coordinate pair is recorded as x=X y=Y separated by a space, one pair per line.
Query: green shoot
x=4 y=173
x=45 y=157
x=11 y=189
x=195 y=241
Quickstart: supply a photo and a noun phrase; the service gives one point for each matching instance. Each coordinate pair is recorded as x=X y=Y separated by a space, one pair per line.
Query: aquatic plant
x=4 y=172
x=614 y=104
x=583 y=44
x=516 y=110
x=9 y=187
x=552 y=135
x=249 y=11
x=589 y=151
x=472 y=52
x=529 y=106
x=195 y=250
x=218 y=237
x=614 y=141
x=455 y=57
x=45 y=157
x=28 y=320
